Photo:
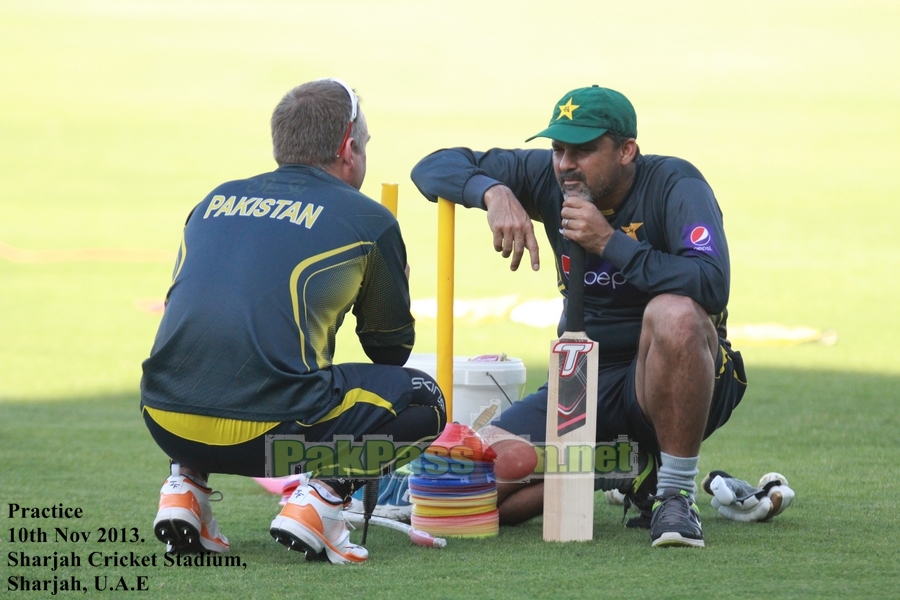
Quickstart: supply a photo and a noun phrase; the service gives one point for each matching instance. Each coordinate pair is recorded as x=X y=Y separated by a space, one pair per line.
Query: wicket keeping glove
x=737 y=500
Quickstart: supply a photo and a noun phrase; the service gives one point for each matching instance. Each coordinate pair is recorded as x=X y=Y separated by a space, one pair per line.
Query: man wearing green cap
x=656 y=289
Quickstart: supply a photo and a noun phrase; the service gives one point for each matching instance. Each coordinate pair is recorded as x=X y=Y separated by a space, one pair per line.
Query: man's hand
x=582 y=222
x=511 y=226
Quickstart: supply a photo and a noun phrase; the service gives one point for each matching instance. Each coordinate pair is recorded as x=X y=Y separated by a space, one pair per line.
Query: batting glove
x=737 y=500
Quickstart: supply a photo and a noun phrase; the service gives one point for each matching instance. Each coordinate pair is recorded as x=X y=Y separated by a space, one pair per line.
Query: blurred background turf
x=116 y=117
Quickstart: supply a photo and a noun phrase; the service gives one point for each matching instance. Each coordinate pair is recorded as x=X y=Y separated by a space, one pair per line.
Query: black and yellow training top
x=267 y=270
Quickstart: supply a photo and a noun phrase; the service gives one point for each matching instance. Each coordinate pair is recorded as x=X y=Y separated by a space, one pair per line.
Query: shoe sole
x=674 y=539
x=296 y=536
x=181 y=532
x=178 y=534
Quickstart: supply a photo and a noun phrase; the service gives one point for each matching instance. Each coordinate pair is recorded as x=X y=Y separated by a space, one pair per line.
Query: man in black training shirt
x=267 y=270
x=656 y=289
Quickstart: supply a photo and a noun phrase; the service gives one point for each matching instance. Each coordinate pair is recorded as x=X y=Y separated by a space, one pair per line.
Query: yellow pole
x=389 y=197
x=446 y=236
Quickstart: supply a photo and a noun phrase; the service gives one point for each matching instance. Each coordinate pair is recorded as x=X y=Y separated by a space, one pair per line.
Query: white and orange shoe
x=312 y=524
x=184 y=521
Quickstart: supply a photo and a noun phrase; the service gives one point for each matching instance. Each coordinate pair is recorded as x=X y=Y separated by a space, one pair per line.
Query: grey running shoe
x=676 y=521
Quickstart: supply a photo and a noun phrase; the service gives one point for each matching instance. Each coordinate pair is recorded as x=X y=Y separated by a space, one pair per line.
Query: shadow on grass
x=822 y=424
x=833 y=434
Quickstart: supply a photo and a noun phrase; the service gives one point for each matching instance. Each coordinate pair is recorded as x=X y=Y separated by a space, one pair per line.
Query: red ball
x=516 y=460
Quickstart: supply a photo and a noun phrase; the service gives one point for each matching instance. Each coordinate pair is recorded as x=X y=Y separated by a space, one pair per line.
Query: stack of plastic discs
x=453 y=489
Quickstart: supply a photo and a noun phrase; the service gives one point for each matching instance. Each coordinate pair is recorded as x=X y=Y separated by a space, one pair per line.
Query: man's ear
x=628 y=151
x=345 y=152
x=344 y=164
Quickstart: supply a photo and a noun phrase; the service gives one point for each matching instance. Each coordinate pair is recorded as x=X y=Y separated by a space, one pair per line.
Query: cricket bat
x=571 y=421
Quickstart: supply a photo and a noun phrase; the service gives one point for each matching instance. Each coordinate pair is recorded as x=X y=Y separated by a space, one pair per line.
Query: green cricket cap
x=587 y=113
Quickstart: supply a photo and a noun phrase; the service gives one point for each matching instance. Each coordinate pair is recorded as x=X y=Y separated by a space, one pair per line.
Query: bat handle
x=421 y=538
x=575 y=289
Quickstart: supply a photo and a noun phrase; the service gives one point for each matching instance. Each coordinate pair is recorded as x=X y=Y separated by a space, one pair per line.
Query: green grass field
x=116 y=117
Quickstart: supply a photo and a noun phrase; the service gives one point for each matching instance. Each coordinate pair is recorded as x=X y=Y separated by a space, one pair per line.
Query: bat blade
x=571 y=421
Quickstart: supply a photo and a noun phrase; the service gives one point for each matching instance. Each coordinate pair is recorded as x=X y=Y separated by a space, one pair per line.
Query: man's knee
x=678 y=320
x=426 y=392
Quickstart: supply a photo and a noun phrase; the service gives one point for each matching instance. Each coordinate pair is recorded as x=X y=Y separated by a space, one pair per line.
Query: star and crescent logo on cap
x=566 y=110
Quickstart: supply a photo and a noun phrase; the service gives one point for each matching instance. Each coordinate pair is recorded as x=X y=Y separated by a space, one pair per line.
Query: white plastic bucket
x=478 y=383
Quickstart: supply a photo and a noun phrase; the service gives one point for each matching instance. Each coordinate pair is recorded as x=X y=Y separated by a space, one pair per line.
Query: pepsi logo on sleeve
x=699 y=238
